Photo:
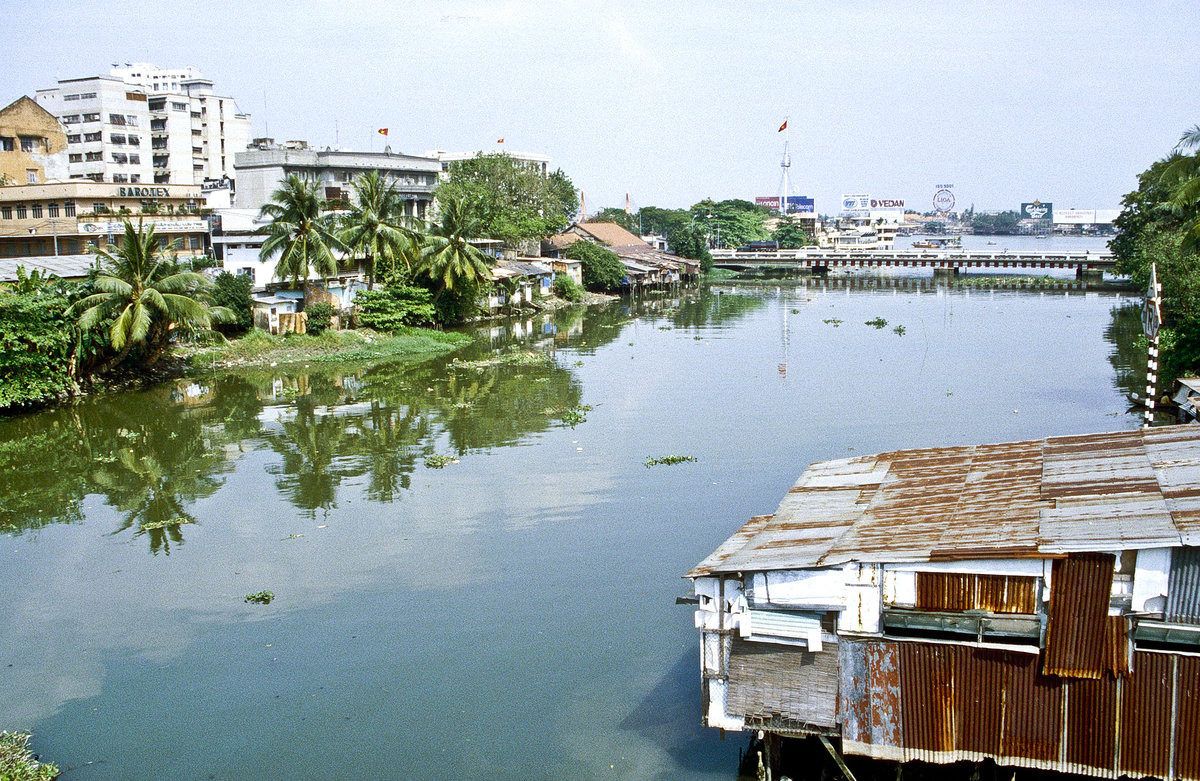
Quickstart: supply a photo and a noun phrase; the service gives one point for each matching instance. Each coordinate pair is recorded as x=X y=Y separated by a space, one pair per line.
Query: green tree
x=299 y=233
x=790 y=235
x=395 y=306
x=375 y=226
x=232 y=291
x=687 y=241
x=602 y=268
x=731 y=223
x=1182 y=175
x=619 y=216
x=513 y=200
x=37 y=342
x=662 y=222
x=448 y=258
x=143 y=297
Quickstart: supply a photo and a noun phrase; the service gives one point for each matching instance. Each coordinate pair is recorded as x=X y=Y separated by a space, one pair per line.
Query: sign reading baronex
x=143 y=192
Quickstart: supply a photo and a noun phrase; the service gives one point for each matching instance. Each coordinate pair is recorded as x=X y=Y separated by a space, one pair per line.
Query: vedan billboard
x=1037 y=211
x=887 y=203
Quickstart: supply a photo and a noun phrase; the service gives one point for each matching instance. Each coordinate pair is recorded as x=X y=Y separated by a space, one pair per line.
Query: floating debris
x=155 y=525
x=668 y=460
x=898 y=330
x=518 y=358
x=437 y=462
x=291 y=537
x=576 y=415
x=877 y=323
x=260 y=597
x=833 y=321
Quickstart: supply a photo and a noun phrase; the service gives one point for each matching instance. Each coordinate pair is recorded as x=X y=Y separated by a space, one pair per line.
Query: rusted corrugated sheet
x=1032 y=710
x=927 y=696
x=883 y=667
x=965 y=591
x=1091 y=722
x=1183 y=586
x=1118 y=660
x=1077 y=634
x=978 y=679
x=1187 y=719
x=1146 y=716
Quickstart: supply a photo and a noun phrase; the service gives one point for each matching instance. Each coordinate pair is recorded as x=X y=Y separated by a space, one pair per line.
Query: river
x=512 y=613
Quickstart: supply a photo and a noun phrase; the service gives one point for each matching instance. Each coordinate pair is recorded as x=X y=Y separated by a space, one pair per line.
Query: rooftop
x=1037 y=499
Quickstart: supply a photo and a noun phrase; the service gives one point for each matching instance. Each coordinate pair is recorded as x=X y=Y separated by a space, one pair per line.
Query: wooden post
x=833 y=752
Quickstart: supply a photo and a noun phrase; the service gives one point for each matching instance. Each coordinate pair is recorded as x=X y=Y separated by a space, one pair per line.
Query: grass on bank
x=258 y=347
x=17 y=762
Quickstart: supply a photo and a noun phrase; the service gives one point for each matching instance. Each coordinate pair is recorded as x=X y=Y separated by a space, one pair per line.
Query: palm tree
x=298 y=232
x=375 y=226
x=146 y=296
x=447 y=256
x=1183 y=175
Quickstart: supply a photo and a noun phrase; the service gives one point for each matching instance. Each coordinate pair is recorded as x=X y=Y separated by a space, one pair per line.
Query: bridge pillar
x=1091 y=275
x=945 y=272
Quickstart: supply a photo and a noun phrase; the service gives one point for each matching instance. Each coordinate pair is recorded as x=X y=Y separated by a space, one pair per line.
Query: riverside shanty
x=1033 y=603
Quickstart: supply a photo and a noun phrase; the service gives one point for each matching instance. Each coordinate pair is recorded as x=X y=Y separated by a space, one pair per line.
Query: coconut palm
x=447 y=256
x=1183 y=175
x=299 y=233
x=376 y=226
x=146 y=296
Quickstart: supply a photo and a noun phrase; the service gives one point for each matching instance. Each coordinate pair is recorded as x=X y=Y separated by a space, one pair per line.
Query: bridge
x=1090 y=265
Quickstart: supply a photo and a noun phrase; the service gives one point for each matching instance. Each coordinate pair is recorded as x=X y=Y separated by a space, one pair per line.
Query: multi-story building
x=33 y=147
x=142 y=124
x=535 y=160
x=65 y=218
x=265 y=165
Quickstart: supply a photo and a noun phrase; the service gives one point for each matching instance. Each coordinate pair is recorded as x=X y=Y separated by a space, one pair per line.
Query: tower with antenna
x=785 y=165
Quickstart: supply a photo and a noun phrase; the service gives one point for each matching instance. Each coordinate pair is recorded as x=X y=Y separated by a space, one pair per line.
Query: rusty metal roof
x=1040 y=498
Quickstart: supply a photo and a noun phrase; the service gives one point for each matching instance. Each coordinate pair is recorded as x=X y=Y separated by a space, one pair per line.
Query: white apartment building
x=144 y=124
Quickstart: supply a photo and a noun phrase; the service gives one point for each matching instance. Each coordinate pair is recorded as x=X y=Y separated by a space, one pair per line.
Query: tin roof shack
x=1187 y=399
x=1037 y=603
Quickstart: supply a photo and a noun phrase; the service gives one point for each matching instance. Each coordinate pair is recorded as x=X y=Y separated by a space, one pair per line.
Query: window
x=178 y=106
x=99 y=208
x=70 y=119
x=27 y=143
x=116 y=119
x=71 y=97
x=92 y=157
x=91 y=117
x=31 y=175
x=131 y=120
x=195 y=115
x=158 y=104
x=196 y=131
x=69 y=209
x=135 y=159
x=5 y=212
x=76 y=157
x=91 y=136
x=52 y=210
x=193 y=242
x=95 y=177
x=133 y=141
x=117 y=138
x=119 y=157
x=7 y=144
x=21 y=213
x=121 y=178
x=37 y=210
x=75 y=139
x=87 y=96
x=135 y=178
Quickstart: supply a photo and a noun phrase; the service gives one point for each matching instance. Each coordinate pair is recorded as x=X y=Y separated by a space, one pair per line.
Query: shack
x=1034 y=603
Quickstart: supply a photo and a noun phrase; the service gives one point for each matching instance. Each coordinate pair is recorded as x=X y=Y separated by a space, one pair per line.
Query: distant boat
x=991 y=242
x=939 y=242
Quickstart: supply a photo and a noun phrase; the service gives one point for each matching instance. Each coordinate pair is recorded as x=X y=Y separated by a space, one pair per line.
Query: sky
x=672 y=102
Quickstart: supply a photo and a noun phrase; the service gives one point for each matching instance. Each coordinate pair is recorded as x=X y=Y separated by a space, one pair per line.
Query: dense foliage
x=1157 y=227
x=320 y=317
x=395 y=306
x=232 y=291
x=36 y=346
x=567 y=289
x=375 y=226
x=602 y=268
x=513 y=200
x=1004 y=223
x=790 y=235
x=300 y=234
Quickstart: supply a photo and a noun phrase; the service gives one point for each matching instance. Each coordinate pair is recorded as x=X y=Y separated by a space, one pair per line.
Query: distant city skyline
x=674 y=102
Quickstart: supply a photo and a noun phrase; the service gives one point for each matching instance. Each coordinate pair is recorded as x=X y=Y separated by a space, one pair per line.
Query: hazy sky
x=678 y=101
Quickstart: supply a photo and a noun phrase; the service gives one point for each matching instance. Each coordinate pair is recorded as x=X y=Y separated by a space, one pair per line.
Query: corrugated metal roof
x=1183 y=586
x=61 y=266
x=1039 y=498
x=1077 y=634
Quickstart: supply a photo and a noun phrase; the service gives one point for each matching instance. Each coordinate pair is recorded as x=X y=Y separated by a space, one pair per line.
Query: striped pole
x=1151 y=320
x=1151 y=380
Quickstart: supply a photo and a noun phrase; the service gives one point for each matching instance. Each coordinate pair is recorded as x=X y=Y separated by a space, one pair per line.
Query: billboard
x=1075 y=216
x=800 y=204
x=1037 y=211
x=855 y=203
x=770 y=201
x=887 y=203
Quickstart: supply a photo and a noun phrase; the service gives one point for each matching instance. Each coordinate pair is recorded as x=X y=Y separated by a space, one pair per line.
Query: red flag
x=383 y=131
x=782 y=127
x=499 y=140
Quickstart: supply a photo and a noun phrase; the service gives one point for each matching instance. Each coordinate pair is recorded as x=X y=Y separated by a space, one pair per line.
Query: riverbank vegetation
x=1159 y=227
x=17 y=761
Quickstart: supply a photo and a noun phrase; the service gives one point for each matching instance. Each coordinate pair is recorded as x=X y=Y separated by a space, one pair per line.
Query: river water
x=508 y=615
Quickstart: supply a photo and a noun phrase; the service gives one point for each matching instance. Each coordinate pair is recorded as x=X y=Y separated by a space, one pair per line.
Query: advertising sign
x=770 y=201
x=943 y=200
x=1037 y=211
x=853 y=203
x=887 y=203
x=800 y=204
x=1075 y=216
x=162 y=226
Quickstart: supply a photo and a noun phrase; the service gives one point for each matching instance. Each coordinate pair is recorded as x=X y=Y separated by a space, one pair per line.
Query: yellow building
x=33 y=146
x=65 y=218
